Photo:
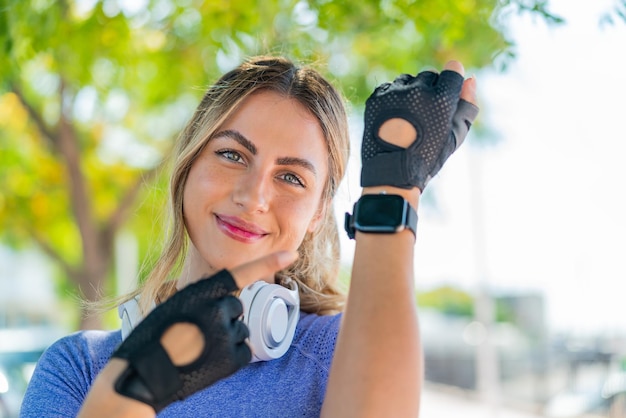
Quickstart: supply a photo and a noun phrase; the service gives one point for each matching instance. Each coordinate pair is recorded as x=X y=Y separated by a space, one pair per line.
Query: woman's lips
x=238 y=229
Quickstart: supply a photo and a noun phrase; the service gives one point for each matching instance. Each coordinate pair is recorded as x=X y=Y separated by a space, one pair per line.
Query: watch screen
x=381 y=212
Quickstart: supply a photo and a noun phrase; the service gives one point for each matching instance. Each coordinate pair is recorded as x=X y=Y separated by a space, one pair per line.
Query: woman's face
x=256 y=187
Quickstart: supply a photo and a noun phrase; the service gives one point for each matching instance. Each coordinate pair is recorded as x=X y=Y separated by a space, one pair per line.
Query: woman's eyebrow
x=301 y=162
x=247 y=144
x=237 y=136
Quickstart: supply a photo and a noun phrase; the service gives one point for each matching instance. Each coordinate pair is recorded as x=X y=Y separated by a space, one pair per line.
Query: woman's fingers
x=453 y=65
x=468 y=91
x=263 y=268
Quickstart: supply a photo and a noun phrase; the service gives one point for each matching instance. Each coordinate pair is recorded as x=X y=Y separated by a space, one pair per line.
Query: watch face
x=380 y=213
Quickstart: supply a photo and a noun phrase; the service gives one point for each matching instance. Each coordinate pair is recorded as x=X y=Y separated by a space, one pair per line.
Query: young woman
x=254 y=175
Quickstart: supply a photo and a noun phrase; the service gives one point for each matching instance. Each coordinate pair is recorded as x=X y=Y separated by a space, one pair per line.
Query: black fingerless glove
x=430 y=102
x=152 y=378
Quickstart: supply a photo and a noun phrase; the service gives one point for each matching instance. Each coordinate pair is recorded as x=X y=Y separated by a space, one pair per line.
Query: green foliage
x=453 y=301
x=122 y=77
x=503 y=310
x=448 y=300
x=618 y=11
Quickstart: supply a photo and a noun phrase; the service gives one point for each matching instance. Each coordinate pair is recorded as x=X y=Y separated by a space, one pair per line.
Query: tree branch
x=44 y=130
x=71 y=271
x=121 y=213
x=68 y=145
x=119 y=216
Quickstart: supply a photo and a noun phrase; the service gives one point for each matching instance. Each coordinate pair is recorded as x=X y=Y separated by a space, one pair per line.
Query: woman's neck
x=194 y=268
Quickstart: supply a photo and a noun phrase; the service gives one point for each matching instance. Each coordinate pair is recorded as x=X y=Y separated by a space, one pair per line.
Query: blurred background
x=520 y=250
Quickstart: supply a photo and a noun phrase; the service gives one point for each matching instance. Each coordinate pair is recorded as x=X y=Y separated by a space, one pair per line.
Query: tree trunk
x=90 y=320
x=96 y=255
x=97 y=237
x=91 y=286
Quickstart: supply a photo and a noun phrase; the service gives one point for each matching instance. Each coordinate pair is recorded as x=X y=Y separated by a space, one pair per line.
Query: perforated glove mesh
x=152 y=378
x=430 y=102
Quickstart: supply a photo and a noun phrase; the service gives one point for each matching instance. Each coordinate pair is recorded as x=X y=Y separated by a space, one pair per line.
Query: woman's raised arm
x=377 y=369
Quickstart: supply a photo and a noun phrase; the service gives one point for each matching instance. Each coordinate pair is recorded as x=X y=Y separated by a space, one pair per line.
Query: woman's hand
x=414 y=124
x=184 y=341
x=184 y=345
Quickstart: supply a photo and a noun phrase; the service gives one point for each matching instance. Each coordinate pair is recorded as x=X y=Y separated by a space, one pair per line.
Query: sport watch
x=381 y=214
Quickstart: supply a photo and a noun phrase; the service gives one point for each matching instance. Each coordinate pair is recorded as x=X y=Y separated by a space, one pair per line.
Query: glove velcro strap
x=151 y=377
x=387 y=169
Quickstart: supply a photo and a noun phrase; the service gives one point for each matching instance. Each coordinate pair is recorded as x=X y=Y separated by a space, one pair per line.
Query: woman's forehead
x=271 y=119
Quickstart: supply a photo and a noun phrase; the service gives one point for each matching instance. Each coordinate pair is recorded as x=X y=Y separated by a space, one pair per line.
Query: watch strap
x=348 y=225
x=411 y=222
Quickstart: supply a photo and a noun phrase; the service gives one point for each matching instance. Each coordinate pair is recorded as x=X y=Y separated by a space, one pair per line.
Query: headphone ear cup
x=271 y=313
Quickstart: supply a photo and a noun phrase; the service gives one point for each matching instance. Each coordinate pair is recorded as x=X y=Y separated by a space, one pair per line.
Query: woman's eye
x=230 y=155
x=293 y=179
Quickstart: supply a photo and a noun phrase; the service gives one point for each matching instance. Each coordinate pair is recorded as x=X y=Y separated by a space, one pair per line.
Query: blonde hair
x=317 y=267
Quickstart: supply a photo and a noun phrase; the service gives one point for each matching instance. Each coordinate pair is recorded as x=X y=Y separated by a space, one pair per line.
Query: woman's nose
x=252 y=192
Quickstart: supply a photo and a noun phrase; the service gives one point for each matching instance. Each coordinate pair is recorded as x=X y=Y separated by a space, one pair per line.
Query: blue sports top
x=291 y=386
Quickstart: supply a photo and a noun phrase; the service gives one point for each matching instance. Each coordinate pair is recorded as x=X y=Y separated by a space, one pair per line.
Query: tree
x=93 y=93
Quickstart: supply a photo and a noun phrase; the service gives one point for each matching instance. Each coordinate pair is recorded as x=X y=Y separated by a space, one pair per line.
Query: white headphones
x=270 y=312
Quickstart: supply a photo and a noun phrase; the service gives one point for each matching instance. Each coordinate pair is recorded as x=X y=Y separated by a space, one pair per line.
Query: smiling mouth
x=239 y=230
